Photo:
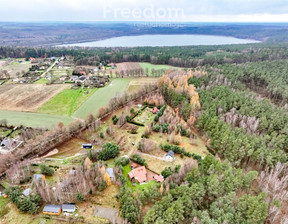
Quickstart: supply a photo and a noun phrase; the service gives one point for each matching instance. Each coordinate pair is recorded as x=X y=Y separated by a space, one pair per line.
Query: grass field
x=102 y=97
x=136 y=83
x=66 y=102
x=150 y=66
x=33 y=119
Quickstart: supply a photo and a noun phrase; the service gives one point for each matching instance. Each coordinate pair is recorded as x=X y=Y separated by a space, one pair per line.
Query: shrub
x=137 y=159
x=166 y=172
x=101 y=135
x=80 y=197
x=115 y=119
x=122 y=161
x=46 y=170
x=108 y=151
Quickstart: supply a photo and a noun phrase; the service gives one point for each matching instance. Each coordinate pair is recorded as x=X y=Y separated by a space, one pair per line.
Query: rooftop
x=140 y=174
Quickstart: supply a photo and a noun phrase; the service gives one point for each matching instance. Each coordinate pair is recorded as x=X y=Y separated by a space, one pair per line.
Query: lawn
x=66 y=102
x=150 y=66
x=3 y=201
x=102 y=97
x=33 y=119
x=41 y=81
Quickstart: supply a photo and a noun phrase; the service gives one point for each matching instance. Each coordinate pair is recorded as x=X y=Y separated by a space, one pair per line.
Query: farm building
x=109 y=176
x=139 y=174
x=27 y=192
x=52 y=209
x=87 y=146
x=169 y=156
x=158 y=178
x=39 y=177
x=154 y=110
x=71 y=208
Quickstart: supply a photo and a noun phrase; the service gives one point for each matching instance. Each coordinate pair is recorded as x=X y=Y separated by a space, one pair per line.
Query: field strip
x=34 y=120
x=102 y=97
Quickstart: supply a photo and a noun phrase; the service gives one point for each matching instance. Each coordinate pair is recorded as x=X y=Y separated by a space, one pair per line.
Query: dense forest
x=186 y=57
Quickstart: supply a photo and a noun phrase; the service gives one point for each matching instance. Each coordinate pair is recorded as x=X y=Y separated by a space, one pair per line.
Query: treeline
x=192 y=56
x=243 y=129
x=267 y=78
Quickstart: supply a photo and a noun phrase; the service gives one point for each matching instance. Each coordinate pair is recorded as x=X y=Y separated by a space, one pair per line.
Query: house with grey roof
x=170 y=156
x=52 y=209
x=111 y=174
x=71 y=208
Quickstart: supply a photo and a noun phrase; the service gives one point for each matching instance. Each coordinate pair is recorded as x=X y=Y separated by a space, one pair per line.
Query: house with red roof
x=154 y=110
x=138 y=174
x=158 y=178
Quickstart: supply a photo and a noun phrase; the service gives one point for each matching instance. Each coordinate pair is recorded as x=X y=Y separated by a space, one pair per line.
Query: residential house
x=139 y=174
x=71 y=208
x=169 y=156
x=52 y=209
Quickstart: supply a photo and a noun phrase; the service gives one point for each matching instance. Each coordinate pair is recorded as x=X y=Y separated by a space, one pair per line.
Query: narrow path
x=48 y=70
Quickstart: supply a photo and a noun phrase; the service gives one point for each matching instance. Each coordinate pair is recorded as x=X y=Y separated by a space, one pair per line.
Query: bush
x=122 y=161
x=166 y=172
x=139 y=160
x=46 y=170
x=108 y=151
x=101 y=135
x=80 y=197
x=115 y=119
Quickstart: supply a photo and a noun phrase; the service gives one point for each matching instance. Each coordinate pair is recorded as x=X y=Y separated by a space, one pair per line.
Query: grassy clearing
x=150 y=66
x=66 y=102
x=198 y=148
x=102 y=97
x=69 y=148
x=41 y=81
x=136 y=83
x=3 y=201
x=33 y=119
x=14 y=66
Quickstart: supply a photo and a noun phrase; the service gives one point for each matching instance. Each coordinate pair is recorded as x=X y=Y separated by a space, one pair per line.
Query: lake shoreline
x=162 y=40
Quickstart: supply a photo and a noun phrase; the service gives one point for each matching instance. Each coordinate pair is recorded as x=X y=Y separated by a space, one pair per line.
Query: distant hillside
x=39 y=34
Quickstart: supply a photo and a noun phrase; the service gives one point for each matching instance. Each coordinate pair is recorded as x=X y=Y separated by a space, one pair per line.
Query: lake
x=163 y=40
